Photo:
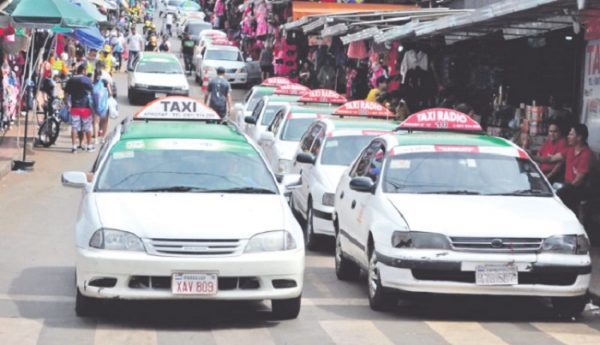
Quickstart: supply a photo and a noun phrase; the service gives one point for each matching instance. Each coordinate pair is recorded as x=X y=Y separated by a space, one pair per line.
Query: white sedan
x=226 y=56
x=164 y=230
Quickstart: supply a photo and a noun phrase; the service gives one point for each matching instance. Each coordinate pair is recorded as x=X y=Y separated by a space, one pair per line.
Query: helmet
x=107 y=48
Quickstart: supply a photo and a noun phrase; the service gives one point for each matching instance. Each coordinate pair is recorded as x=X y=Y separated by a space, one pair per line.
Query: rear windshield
x=223 y=55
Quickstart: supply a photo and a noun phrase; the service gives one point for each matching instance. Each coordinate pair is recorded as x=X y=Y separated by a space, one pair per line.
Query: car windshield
x=175 y=2
x=253 y=98
x=184 y=165
x=344 y=149
x=269 y=114
x=223 y=55
x=463 y=173
x=164 y=66
x=295 y=128
x=196 y=28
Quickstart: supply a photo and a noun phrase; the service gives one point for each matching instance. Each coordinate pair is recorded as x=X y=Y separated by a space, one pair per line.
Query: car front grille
x=193 y=247
x=161 y=88
x=497 y=244
x=164 y=283
x=525 y=278
x=231 y=70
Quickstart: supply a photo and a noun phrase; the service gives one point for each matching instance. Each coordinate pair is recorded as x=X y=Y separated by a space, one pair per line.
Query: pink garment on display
x=357 y=50
x=60 y=44
x=378 y=71
x=261 y=28
x=350 y=75
x=219 y=8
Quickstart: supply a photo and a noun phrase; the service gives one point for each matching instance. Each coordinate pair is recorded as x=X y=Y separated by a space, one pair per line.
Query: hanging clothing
x=358 y=50
x=413 y=59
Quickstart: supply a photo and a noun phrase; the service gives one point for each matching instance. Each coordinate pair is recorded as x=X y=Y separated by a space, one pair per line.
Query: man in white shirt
x=135 y=44
x=169 y=24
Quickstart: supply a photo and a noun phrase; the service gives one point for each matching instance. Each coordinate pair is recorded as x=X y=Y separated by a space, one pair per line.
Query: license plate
x=194 y=284
x=494 y=274
x=161 y=95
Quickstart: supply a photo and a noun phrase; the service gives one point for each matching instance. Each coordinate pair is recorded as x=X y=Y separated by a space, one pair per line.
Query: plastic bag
x=113 y=108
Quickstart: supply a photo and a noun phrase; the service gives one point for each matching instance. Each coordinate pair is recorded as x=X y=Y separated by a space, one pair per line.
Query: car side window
x=362 y=164
x=258 y=108
x=309 y=137
x=318 y=143
x=376 y=163
x=277 y=122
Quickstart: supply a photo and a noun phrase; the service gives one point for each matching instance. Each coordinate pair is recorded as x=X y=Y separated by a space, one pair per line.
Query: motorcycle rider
x=187 y=50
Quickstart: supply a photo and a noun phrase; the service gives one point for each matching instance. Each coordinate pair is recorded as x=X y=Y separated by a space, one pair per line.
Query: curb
x=595 y=297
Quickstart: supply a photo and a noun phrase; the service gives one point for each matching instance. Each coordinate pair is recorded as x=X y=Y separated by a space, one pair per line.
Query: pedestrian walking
x=218 y=95
x=135 y=44
x=79 y=88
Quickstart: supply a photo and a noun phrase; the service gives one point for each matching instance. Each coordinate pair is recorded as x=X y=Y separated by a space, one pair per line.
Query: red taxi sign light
x=213 y=33
x=323 y=96
x=276 y=81
x=220 y=41
x=292 y=89
x=176 y=108
x=441 y=119
x=364 y=108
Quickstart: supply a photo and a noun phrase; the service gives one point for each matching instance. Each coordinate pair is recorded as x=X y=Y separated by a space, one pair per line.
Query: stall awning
x=516 y=18
x=302 y=9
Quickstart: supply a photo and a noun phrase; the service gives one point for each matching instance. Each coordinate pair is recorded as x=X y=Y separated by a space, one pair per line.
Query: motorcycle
x=50 y=127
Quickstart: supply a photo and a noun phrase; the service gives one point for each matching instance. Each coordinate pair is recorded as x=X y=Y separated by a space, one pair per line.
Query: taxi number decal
x=123 y=154
x=135 y=144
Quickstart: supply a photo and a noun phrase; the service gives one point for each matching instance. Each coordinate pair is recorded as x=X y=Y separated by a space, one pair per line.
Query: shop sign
x=177 y=108
x=441 y=119
x=323 y=96
x=293 y=89
x=363 y=108
x=276 y=81
x=591 y=93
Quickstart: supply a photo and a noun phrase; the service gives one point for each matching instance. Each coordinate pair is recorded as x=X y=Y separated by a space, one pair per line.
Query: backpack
x=218 y=94
x=100 y=98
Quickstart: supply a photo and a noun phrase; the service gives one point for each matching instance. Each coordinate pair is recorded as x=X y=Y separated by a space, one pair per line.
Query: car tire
x=310 y=238
x=86 y=306
x=131 y=96
x=380 y=298
x=286 y=309
x=570 y=306
x=197 y=79
x=345 y=269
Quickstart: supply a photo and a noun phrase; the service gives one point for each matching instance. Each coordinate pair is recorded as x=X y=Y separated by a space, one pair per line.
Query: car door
x=268 y=146
x=310 y=173
x=351 y=204
x=306 y=143
x=249 y=128
x=277 y=133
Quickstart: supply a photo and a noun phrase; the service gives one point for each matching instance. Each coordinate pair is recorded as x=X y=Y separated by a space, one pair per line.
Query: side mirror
x=362 y=184
x=267 y=137
x=74 y=179
x=304 y=157
x=291 y=181
x=250 y=120
x=129 y=68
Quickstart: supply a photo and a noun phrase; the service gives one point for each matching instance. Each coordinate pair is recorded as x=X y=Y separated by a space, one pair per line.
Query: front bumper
x=157 y=92
x=233 y=78
x=323 y=220
x=127 y=267
x=449 y=272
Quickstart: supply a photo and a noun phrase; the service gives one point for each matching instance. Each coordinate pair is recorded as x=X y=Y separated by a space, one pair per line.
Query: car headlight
x=419 y=240
x=143 y=86
x=271 y=241
x=284 y=166
x=116 y=240
x=567 y=244
x=328 y=199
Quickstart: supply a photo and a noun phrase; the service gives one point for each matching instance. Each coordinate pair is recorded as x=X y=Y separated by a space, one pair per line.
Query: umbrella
x=103 y=3
x=90 y=9
x=189 y=5
x=89 y=37
x=47 y=13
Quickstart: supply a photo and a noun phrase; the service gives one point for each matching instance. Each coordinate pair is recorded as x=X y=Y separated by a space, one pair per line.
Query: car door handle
x=353 y=205
x=341 y=195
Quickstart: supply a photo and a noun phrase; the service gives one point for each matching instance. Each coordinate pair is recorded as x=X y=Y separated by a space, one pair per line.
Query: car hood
x=287 y=149
x=485 y=216
x=224 y=64
x=177 y=80
x=191 y=215
x=331 y=175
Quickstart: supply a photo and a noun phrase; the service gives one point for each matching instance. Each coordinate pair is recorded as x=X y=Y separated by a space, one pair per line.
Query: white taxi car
x=326 y=150
x=221 y=53
x=156 y=75
x=164 y=230
x=456 y=213
x=255 y=94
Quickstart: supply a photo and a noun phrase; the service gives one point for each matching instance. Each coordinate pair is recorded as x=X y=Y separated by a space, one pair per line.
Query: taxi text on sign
x=441 y=118
x=177 y=107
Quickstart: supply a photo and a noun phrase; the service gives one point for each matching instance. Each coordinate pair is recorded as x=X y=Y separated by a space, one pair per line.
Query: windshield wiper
x=243 y=190
x=172 y=189
x=525 y=192
x=455 y=192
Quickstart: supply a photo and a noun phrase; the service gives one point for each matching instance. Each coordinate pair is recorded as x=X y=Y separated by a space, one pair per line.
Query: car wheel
x=310 y=239
x=344 y=268
x=198 y=79
x=86 y=306
x=131 y=96
x=380 y=298
x=286 y=309
x=570 y=306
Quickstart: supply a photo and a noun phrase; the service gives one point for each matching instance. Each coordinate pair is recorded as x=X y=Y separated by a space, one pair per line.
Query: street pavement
x=37 y=289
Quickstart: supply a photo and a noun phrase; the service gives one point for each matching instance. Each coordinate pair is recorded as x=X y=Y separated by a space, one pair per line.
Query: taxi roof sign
x=176 y=108
x=364 y=108
x=293 y=89
x=213 y=33
x=441 y=119
x=276 y=81
x=221 y=41
x=323 y=96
